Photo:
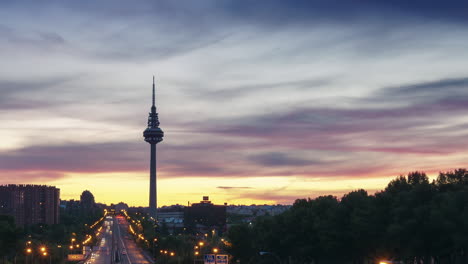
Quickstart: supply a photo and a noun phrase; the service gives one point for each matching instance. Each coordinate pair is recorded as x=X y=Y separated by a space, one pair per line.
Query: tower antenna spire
x=153 y=92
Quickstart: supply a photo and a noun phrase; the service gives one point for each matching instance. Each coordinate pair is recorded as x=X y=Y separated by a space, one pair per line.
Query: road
x=104 y=248
x=115 y=241
x=134 y=254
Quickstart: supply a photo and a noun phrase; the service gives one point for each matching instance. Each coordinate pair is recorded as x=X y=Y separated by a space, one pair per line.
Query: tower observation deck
x=153 y=135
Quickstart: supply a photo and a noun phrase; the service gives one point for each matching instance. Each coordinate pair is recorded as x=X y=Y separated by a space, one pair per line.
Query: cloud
x=334 y=128
x=40 y=40
x=302 y=89
x=279 y=159
x=427 y=92
x=29 y=94
x=256 y=88
x=28 y=177
x=300 y=133
x=103 y=157
x=232 y=187
x=173 y=161
x=452 y=10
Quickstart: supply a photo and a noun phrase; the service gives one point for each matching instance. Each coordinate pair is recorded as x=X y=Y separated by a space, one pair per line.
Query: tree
x=411 y=220
x=8 y=236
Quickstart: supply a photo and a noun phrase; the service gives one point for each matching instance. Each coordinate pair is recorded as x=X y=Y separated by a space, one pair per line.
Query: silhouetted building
x=30 y=204
x=153 y=135
x=205 y=216
x=172 y=218
x=121 y=206
x=71 y=206
x=87 y=200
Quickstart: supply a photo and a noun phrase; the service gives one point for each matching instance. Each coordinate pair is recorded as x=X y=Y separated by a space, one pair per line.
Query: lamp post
x=262 y=253
x=196 y=253
x=29 y=254
x=45 y=254
x=72 y=246
x=154 y=247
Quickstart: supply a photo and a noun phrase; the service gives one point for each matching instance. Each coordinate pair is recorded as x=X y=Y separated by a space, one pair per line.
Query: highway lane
x=116 y=245
x=134 y=254
x=103 y=253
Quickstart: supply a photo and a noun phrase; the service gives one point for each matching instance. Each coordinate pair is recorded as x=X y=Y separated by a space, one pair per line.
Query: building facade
x=205 y=216
x=172 y=218
x=30 y=204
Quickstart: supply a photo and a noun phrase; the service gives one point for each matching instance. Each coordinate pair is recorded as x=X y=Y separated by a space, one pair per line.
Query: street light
x=45 y=254
x=215 y=250
x=28 y=254
x=196 y=253
x=262 y=253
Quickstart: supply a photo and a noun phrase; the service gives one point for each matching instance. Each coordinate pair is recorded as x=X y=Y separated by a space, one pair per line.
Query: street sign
x=221 y=259
x=210 y=259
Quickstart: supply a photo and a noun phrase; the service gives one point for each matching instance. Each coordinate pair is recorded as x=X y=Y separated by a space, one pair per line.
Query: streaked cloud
x=232 y=187
x=297 y=90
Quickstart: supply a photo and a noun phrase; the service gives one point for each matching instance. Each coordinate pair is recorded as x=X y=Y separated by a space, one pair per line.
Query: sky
x=261 y=102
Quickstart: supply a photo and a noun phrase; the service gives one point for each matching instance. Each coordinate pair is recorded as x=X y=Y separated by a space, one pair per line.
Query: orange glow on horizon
x=132 y=188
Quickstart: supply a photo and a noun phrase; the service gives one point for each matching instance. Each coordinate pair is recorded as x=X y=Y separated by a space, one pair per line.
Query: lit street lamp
x=45 y=254
x=29 y=254
x=262 y=253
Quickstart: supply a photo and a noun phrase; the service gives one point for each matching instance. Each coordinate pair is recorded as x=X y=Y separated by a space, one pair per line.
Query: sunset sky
x=260 y=101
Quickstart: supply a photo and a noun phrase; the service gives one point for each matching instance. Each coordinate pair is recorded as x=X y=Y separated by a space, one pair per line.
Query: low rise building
x=205 y=216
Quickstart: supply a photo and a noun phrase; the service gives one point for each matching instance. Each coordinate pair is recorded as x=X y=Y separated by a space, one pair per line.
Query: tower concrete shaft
x=153 y=191
x=153 y=135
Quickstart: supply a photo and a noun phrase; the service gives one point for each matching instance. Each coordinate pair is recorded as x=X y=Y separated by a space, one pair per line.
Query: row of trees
x=413 y=221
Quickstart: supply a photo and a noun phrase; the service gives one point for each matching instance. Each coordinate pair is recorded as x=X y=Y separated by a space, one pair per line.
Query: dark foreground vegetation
x=412 y=221
x=14 y=240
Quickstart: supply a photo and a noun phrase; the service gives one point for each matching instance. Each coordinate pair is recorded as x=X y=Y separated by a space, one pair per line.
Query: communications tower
x=153 y=135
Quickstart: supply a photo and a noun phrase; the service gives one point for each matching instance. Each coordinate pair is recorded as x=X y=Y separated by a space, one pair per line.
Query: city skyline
x=261 y=102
